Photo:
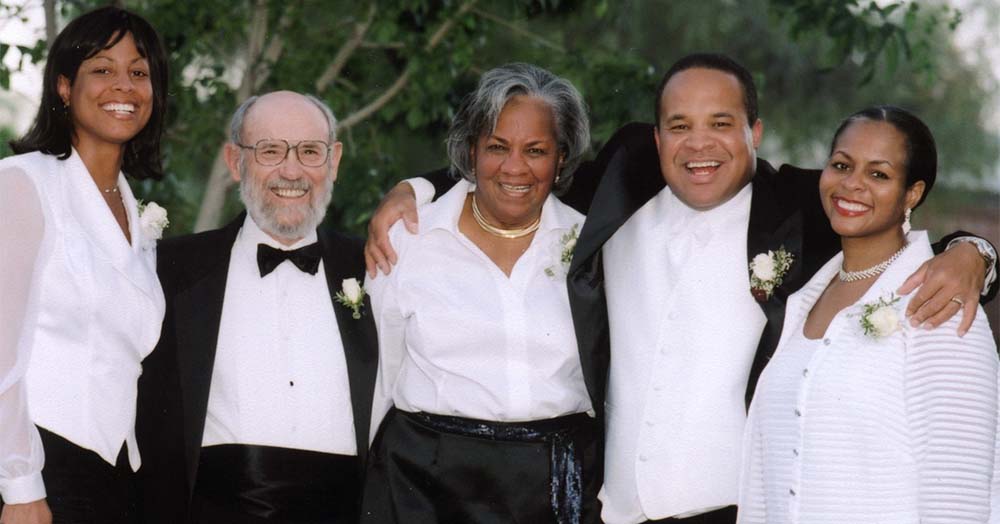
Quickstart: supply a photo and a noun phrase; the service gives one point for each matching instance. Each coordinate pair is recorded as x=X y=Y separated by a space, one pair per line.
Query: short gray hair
x=236 y=124
x=481 y=109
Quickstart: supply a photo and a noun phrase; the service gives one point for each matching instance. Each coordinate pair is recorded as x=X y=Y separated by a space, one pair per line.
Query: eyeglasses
x=271 y=152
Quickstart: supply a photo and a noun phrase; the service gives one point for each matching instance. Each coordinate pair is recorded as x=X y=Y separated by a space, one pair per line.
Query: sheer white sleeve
x=22 y=226
x=391 y=326
x=951 y=398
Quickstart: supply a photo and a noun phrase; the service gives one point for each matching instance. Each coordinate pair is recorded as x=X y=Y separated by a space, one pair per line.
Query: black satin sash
x=280 y=484
x=566 y=486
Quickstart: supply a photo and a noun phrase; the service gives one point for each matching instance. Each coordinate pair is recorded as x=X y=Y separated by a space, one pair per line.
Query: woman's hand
x=398 y=203
x=36 y=512
x=949 y=283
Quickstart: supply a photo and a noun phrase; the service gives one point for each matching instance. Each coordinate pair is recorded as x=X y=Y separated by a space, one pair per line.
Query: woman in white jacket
x=80 y=304
x=859 y=416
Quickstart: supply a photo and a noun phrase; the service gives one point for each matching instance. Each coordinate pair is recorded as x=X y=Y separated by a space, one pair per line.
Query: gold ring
x=958 y=301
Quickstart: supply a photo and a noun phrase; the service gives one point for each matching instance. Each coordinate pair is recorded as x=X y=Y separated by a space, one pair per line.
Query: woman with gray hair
x=486 y=414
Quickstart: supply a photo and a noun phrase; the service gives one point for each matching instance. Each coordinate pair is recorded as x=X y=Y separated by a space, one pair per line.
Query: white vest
x=684 y=328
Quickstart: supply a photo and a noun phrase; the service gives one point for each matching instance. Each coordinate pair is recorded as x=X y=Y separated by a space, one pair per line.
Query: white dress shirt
x=79 y=309
x=280 y=374
x=854 y=428
x=459 y=337
x=684 y=329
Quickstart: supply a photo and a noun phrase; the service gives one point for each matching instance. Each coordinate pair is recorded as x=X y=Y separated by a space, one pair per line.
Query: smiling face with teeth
x=516 y=164
x=863 y=186
x=288 y=200
x=707 y=147
x=111 y=98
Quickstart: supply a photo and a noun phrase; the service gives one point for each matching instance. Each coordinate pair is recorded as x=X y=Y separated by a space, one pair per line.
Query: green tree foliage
x=393 y=72
x=6 y=135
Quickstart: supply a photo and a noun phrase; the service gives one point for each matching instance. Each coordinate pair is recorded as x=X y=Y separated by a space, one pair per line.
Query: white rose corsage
x=567 y=244
x=352 y=295
x=766 y=272
x=880 y=318
x=152 y=221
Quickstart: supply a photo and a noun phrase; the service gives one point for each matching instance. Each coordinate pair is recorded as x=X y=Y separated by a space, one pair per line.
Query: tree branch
x=386 y=45
x=50 y=22
x=383 y=99
x=255 y=45
x=344 y=53
x=404 y=78
x=519 y=30
x=273 y=51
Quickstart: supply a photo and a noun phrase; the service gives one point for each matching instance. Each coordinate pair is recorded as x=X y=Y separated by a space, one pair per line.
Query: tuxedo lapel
x=198 y=312
x=773 y=225
x=626 y=187
x=357 y=335
x=631 y=178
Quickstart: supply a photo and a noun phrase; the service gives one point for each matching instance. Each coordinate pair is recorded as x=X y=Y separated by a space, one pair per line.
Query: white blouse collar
x=89 y=208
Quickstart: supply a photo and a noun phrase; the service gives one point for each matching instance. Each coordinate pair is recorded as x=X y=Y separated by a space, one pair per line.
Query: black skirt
x=431 y=469
x=84 y=489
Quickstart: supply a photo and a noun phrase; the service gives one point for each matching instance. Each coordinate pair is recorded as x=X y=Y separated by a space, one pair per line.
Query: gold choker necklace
x=500 y=232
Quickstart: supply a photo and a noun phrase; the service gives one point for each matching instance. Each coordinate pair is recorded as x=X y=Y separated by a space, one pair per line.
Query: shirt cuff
x=422 y=188
x=21 y=490
x=986 y=250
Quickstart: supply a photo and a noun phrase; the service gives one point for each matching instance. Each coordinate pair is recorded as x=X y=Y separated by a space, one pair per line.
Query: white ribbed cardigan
x=900 y=429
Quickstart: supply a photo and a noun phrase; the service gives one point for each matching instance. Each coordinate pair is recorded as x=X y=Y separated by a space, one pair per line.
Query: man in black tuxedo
x=671 y=334
x=256 y=404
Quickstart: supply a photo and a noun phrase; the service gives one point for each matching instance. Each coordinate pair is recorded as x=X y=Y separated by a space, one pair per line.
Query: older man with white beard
x=256 y=404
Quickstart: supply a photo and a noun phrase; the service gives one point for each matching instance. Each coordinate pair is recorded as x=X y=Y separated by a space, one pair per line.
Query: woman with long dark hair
x=81 y=302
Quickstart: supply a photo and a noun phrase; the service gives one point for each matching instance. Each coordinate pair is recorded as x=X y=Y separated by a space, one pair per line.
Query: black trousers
x=84 y=489
x=719 y=516
x=419 y=475
x=247 y=484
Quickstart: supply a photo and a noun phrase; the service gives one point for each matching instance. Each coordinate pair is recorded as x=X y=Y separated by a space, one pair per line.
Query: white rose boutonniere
x=766 y=272
x=352 y=295
x=567 y=243
x=152 y=221
x=880 y=318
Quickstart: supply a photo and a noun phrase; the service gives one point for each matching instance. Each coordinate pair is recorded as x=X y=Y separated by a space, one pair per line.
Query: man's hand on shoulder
x=949 y=283
x=398 y=203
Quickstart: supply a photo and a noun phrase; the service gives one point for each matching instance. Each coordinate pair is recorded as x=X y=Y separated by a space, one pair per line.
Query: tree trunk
x=50 y=22
x=210 y=212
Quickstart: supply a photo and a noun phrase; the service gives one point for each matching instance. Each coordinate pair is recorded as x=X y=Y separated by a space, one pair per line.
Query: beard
x=288 y=221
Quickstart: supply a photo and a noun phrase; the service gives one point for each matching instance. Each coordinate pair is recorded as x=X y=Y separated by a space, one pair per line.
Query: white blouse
x=79 y=309
x=458 y=337
x=854 y=428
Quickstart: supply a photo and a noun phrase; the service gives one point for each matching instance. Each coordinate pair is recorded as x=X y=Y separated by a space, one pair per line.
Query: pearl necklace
x=874 y=271
x=500 y=232
x=112 y=190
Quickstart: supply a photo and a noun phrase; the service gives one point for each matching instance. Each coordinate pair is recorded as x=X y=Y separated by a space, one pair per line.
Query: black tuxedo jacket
x=174 y=387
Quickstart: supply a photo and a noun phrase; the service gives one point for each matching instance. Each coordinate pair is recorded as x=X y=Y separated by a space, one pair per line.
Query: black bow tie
x=305 y=258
